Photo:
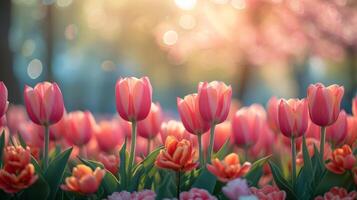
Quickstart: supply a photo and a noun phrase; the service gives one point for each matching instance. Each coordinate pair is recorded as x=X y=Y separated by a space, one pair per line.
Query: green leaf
x=167 y=188
x=256 y=171
x=37 y=166
x=123 y=167
x=223 y=150
x=39 y=190
x=206 y=180
x=150 y=159
x=54 y=172
x=4 y=195
x=281 y=182
x=135 y=180
x=2 y=145
x=21 y=140
x=331 y=179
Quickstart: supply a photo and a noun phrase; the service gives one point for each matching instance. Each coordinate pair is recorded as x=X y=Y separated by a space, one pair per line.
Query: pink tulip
x=190 y=116
x=44 y=103
x=272 y=111
x=3 y=99
x=337 y=132
x=214 y=101
x=133 y=98
x=247 y=124
x=80 y=127
x=173 y=128
x=196 y=193
x=354 y=106
x=3 y=122
x=125 y=126
x=293 y=117
x=58 y=130
x=222 y=133
x=30 y=132
x=263 y=146
x=108 y=135
x=150 y=126
x=351 y=137
x=313 y=130
x=236 y=188
x=15 y=116
x=324 y=103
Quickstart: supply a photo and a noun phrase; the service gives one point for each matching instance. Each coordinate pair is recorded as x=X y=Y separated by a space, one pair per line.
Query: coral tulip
x=133 y=98
x=196 y=193
x=108 y=136
x=15 y=116
x=342 y=160
x=338 y=193
x=229 y=168
x=3 y=99
x=222 y=133
x=337 y=132
x=236 y=188
x=247 y=123
x=293 y=117
x=324 y=103
x=18 y=173
x=80 y=127
x=150 y=126
x=44 y=103
x=110 y=162
x=269 y=192
x=177 y=155
x=272 y=114
x=351 y=137
x=84 y=180
x=174 y=128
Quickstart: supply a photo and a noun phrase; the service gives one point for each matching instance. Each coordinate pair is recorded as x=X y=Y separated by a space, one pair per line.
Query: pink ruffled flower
x=236 y=188
x=124 y=195
x=337 y=193
x=268 y=192
x=196 y=193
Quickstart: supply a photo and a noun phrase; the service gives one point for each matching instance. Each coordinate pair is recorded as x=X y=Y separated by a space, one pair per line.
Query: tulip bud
x=133 y=98
x=80 y=127
x=351 y=137
x=190 y=116
x=174 y=128
x=337 y=132
x=272 y=111
x=293 y=117
x=3 y=99
x=108 y=136
x=324 y=103
x=214 y=101
x=150 y=126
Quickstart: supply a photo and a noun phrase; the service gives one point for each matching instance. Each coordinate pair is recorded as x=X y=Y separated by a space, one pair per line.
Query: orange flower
x=342 y=160
x=18 y=173
x=84 y=180
x=178 y=155
x=229 y=168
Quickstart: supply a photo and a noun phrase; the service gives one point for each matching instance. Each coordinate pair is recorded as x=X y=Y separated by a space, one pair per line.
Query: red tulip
x=133 y=98
x=174 y=128
x=108 y=136
x=190 y=116
x=272 y=111
x=247 y=124
x=351 y=137
x=293 y=117
x=80 y=127
x=214 y=101
x=337 y=132
x=44 y=103
x=150 y=126
x=3 y=99
x=324 y=103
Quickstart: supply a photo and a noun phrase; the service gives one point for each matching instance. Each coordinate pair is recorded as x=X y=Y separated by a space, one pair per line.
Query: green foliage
x=223 y=151
x=205 y=180
x=281 y=182
x=256 y=171
x=2 y=146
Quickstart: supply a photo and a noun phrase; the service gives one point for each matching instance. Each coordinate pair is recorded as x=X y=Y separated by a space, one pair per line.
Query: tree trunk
x=7 y=74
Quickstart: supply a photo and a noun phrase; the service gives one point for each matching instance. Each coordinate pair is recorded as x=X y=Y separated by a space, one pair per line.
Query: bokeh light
x=34 y=68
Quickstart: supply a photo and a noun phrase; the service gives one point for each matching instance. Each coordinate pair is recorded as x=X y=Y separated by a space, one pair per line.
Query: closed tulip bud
x=84 y=180
x=175 y=129
x=324 y=103
x=3 y=99
x=351 y=137
x=293 y=117
x=80 y=127
x=190 y=116
x=214 y=101
x=133 y=98
x=177 y=155
x=108 y=136
x=337 y=132
x=110 y=162
x=247 y=124
x=150 y=126
x=44 y=103
x=229 y=168
x=342 y=160
x=272 y=112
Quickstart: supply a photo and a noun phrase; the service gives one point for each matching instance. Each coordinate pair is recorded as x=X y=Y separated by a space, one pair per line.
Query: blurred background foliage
x=260 y=47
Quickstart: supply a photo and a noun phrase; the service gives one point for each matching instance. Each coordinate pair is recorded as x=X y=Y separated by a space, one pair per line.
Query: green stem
x=47 y=141
x=148 y=147
x=178 y=182
x=200 y=150
x=293 y=159
x=211 y=142
x=132 y=147
x=322 y=144
x=246 y=148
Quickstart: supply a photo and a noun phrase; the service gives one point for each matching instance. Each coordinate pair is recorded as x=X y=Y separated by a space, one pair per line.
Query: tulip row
x=216 y=151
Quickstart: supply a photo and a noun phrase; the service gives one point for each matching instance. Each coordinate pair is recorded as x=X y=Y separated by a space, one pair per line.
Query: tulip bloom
x=222 y=133
x=174 y=128
x=337 y=132
x=342 y=160
x=15 y=117
x=247 y=124
x=150 y=126
x=84 y=180
x=108 y=136
x=133 y=98
x=196 y=193
x=269 y=192
x=3 y=99
x=110 y=162
x=338 y=193
x=192 y=120
x=351 y=137
x=177 y=155
x=229 y=168
x=272 y=113
x=18 y=173
x=80 y=127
